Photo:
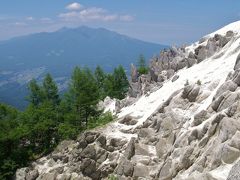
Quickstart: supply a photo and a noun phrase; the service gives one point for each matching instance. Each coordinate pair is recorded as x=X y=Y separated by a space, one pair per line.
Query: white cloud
x=126 y=18
x=19 y=24
x=94 y=14
x=30 y=18
x=74 y=6
x=46 y=20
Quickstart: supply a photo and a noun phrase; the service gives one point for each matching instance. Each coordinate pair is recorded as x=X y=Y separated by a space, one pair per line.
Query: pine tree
x=50 y=90
x=120 y=83
x=84 y=93
x=108 y=85
x=142 y=68
x=100 y=77
x=36 y=93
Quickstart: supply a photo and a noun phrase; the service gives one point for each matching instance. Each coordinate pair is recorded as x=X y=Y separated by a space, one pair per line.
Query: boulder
x=58 y=170
x=135 y=90
x=191 y=55
x=234 y=173
x=191 y=62
x=88 y=167
x=187 y=89
x=237 y=64
x=49 y=176
x=170 y=73
x=186 y=160
x=106 y=170
x=102 y=140
x=82 y=144
x=21 y=173
x=217 y=119
x=32 y=175
x=230 y=99
x=128 y=169
x=162 y=147
x=117 y=142
x=141 y=149
x=235 y=141
x=125 y=167
x=182 y=64
x=161 y=78
x=211 y=47
x=101 y=156
x=233 y=109
x=153 y=75
x=89 y=152
x=202 y=54
x=128 y=120
x=64 y=177
x=228 y=85
x=166 y=172
x=215 y=104
x=223 y=41
x=229 y=34
x=91 y=136
x=230 y=154
x=175 y=78
x=130 y=150
x=193 y=94
x=145 y=133
x=141 y=171
x=236 y=77
x=228 y=127
x=57 y=156
x=134 y=73
x=199 y=118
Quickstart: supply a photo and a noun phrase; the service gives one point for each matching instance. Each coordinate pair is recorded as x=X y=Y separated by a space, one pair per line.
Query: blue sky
x=166 y=22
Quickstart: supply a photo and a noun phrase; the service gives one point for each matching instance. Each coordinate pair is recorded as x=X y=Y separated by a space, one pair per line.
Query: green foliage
x=112 y=177
x=116 y=85
x=142 y=67
x=36 y=93
x=67 y=131
x=121 y=83
x=199 y=83
x=100 y=77
x=49 y=119
x=84 y=93
x=101 y=120
x=50 y=90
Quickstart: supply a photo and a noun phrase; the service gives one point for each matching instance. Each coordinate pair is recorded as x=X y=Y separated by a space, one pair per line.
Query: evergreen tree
x=83 y=93
x=100 y=77
x=142 y=68
x=120 y=83
x=108 y=85
x=50 y=90
x=36 y=93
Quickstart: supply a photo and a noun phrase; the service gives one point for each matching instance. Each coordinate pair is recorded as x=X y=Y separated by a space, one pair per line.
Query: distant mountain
x=27 y=57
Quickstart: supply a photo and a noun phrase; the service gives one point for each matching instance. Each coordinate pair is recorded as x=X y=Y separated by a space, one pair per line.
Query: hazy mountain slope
x=183 y=131
x=58 y=52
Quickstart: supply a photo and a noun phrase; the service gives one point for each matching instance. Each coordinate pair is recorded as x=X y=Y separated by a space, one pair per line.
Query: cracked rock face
x=181 y=131
x=161 y=148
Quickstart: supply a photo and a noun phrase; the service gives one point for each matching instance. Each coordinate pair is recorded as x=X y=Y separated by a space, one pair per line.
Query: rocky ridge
x=187 y=128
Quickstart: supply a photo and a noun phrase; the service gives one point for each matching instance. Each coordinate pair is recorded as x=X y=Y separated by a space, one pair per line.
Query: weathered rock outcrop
x=179 y=131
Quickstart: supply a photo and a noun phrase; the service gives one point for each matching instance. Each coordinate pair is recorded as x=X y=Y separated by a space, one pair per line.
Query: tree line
x=51 y=117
